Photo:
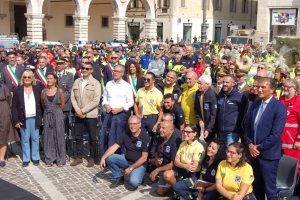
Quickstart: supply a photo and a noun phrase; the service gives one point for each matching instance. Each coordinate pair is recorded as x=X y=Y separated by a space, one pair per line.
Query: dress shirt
x=220 y=86
x=118 y=95
x=84 y=83
x=242 y=86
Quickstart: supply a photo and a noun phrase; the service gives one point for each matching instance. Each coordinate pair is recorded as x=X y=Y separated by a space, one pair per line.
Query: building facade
x=90 y=20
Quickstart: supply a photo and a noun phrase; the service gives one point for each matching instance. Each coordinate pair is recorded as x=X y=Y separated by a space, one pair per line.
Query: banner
x=284 y=17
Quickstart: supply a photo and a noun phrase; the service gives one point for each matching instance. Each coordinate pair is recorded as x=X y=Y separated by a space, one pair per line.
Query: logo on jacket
x=213 y=172
x=168 y=149
x=175 y=96
x=139 y=144
x=206 y=106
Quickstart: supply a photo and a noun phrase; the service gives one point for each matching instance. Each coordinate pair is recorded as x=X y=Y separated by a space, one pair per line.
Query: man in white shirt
x=117 y=99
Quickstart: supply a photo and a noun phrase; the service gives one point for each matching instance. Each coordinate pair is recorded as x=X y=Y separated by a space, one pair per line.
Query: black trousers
x=91 y=126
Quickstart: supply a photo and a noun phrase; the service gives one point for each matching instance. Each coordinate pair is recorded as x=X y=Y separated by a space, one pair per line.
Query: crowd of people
x=154 y=107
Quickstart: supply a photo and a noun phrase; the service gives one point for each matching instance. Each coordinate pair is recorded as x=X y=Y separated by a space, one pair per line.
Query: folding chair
x=286 y=174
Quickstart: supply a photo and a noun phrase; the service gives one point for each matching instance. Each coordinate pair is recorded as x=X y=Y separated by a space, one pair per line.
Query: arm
x=42 y=99
x=277 y=128
x=62 y=99
x=67 y=93
x=108 y=152
x=160 y=115
x=73 y=99
x=222 y=190
x=129 y=99
x=136 y=109
x=213 y=113
x=197 y=107
x=95 y=101
x=140 y=161
x=14 y=108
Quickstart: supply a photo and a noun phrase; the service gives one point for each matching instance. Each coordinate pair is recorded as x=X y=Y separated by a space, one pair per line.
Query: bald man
x=189 y=60
x=187 y=99
x=297 y=79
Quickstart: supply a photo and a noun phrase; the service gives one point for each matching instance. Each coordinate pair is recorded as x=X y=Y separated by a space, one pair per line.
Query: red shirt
x=199 y=69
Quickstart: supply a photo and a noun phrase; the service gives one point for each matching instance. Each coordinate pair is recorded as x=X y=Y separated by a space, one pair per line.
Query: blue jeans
x=229 y=137
x=116 y=161
x=31 y=131
x=211 y=195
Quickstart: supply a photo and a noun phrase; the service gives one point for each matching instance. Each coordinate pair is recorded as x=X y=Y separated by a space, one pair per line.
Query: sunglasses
x=113 y=57
x=223 y=63
x=147 y=79
x=38 y=51
x=199 y=58
x=44 y=48
x=188 y=132
x=231 y=69
x=86 y=68
x=161 y=49
x=231 y=152
x=260 y=68
x=87 y=57
x=27 y=77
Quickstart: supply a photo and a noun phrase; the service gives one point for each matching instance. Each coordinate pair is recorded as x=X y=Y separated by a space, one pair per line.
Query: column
x=81 y=28
x=119 y=28
x=34 y=27
x=151 y=28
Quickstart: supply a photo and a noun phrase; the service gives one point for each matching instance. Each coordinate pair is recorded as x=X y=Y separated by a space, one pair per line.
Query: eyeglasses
x=223 y=63
x=38 y=51
x=27 y=77
x=86 y=68
x=88 y=57
x=199 y=58
x=188 y=132
x=117 y=71
x=161 y=49
x=260 y=68
x=113 y=57
x=231 y=69
x=44 y=48
x=288 y=87
x=133 y=124
x=230 y=152
x=147 y=79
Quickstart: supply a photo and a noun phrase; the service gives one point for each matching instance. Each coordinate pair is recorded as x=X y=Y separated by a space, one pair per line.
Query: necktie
x=59 y=75
x=259 y=114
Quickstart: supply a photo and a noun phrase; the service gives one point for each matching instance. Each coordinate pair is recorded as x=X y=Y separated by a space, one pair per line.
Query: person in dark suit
x=41 y=73
x=89 y=57
x=11 y=73
x=241 y=77
x=65 y=82
x=264 y=127
x=27 y=116
x=206 y=107
x=108 y=70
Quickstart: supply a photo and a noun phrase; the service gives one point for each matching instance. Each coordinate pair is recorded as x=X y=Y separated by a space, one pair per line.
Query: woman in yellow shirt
x=234 y=175
x=188 y=162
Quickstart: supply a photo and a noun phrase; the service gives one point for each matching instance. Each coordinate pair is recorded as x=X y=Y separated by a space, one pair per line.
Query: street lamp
x=204 y=26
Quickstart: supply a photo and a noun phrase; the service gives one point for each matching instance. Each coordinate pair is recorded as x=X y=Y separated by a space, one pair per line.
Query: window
x=159 y=3
x=182 y=3
x=218 y=5
x=232 y=7
x=244 y=6
x=166 y=3
x=104 y=22
x=136 y=3
x=256 y=7
x=69 y=20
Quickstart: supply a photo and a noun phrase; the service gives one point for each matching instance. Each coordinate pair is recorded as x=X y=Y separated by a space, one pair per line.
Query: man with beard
x=231 y=107
x=3 y=60
x=12 y=72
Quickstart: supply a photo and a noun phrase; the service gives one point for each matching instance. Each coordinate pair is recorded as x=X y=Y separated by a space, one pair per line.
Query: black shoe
x=36 y=162
x=25 y=164
x=118 y=181
x=132 y=188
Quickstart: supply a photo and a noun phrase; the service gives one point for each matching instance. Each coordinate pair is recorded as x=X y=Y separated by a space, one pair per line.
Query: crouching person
x=165 y=152
x=133 y=162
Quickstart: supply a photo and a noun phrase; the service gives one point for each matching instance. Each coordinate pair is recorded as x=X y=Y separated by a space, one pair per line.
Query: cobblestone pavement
x=69 y=182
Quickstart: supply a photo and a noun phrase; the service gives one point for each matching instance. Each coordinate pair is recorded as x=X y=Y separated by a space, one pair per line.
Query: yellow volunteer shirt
x=150 y=100
x=188 y=153
x=232 y=178
x=169 y=90
x=187 y=100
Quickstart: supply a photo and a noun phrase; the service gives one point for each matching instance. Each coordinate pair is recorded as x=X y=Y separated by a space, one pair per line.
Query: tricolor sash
x=111 y=67
x=79 y=73
x=12 y=75
x=41 y=76
x=130 y=80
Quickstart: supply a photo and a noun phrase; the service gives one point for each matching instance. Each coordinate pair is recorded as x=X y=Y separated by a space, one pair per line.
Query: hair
x=271 y=81
x=136 y=117
x=139 y=72
x=55 y=77
x=42 y=57
x=294 y=83
x=241 y=149
x=169 y=115
x=122 y=67
x=231 y=76
x=11 y=53
x=221 y=154
x=152 y=74
x=206 y=79
x=30 y=73
x=166 y=96
x=89 y=63
x=203 y=60
x=194 y=129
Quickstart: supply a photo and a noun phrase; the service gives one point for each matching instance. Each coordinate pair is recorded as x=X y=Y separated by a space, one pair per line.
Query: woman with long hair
x=54 y=129
x=200 y=66
x=69 y=66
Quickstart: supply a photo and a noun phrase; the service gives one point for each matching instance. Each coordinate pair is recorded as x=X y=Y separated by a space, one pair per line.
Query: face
x=12 y=59
x=227 y=84
x=289 y=89
x=224 y=63
x=255 y=88
x=86 y=70
x=298 y=65
x=270 y=49
x=170 y=78
x=45 y=48
x=215 y=61
x=27 y=78
x=189 y=52
x=114 y=58
x=50 y=80
x=22 y=48
x=3 y=55
x=89 y=57
x=277 y=74
x=200 y=59
x=232 y=155
x=134 y=125
x=148 y=80
x=212 y=149
x=60 y=66
x=190 y=80
x=42 y=63
x=132 y=69
x=188 y=134
x=20 y=61
x=202 y=86
x=168 y=103
x=165 y=129
x=177 y=59
x=220 y=80
x=264 y=90
x=241 y=79
x=231 y=69
x=118 y=73
x=157 y=56
x=261 y=68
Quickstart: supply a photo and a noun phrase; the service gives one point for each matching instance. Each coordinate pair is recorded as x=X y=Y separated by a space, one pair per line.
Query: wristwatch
x=130 y=169
x=157 y=170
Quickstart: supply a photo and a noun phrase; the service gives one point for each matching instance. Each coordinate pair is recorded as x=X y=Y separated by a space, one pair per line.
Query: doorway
x=160 y=29
x=134 y=30
x=187 y=32
x=218 y=31
x=20 y=20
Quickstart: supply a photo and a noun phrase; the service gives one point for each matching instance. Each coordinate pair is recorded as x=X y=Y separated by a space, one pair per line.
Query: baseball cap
x=1 y=46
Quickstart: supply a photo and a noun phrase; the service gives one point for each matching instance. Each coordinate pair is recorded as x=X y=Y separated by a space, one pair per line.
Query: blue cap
x=16 y=43
x=31 y=46
x=91 y=42
x=1 y=46
x=204 y=49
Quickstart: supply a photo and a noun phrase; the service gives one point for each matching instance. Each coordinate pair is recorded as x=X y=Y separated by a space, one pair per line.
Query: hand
x=18 y=125
x=127 y=171
x=102 y=164
x=200 y=189
x=152 y=161
x=201 y=123
x=82 y=116
x=296 y=145
x=116 y=110
x=153 y=175
x=192 y=168
x=206 y=133
x=253 y=150
x=79 y=112
x=107 y=108
x=154 y=129
x=138 y=115
x=237 y=196
x=158 y=162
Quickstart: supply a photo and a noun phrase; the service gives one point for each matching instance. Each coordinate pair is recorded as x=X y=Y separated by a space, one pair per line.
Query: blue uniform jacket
x=269 y=129
x=231 y=109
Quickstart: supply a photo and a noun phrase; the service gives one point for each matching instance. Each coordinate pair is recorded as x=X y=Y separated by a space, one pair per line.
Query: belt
x=149 y=116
